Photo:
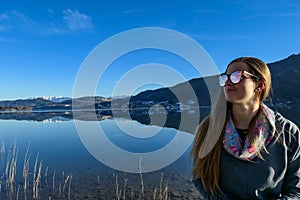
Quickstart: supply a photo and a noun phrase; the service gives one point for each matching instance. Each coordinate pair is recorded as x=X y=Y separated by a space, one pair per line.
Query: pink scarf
x=263 y=134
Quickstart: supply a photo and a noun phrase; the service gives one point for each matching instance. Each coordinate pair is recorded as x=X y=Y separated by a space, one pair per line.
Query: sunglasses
x=235 y=77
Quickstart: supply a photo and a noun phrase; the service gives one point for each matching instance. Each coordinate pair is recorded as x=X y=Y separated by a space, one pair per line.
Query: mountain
x=88 y=102
x=285 y=82
x=286 y=79
x=185 y=93
x=56 y=99
x=26 y=102
x=53 y=103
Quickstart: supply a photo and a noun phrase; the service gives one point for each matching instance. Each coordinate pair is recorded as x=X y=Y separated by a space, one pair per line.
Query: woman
x=243 y=149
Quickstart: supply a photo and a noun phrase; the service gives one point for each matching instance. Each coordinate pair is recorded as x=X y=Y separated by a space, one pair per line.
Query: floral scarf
x=262 y=130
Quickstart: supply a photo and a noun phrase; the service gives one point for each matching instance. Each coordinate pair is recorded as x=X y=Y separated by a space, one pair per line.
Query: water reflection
x=172 y=119
x=63 y=152
x=142 y=116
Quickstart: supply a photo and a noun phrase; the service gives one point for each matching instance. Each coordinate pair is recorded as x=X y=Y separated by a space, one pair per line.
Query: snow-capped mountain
x=56 y=99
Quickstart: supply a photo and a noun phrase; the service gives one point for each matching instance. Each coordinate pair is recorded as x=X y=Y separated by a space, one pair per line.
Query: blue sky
x=43 y=43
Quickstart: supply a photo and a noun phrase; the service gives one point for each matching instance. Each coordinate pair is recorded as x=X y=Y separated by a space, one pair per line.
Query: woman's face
x=242 y=92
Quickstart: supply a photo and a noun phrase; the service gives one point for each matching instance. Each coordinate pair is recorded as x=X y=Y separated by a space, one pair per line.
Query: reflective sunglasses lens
x=222 y=79
x=236 y=76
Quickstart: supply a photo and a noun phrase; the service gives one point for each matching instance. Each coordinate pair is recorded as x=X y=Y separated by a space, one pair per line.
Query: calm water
x=70 y=169
x=63 y=153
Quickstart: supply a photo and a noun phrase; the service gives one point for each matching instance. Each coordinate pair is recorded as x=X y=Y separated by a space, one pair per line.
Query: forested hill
x=285 y=85
x=286 y=79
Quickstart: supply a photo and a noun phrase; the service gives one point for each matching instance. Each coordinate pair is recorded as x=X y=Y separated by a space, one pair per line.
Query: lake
x=75 y=159
x=64 y=166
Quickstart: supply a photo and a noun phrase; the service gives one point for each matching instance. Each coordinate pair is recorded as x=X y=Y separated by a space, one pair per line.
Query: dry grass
x=32 y=182
x=13 y=188
x=121 y=194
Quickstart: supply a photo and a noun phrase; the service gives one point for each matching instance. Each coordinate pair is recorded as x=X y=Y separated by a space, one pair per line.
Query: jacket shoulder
x=284 y=124
x=289 y=132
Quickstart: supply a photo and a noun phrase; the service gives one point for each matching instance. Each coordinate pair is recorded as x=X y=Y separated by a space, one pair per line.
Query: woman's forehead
x=237 y=66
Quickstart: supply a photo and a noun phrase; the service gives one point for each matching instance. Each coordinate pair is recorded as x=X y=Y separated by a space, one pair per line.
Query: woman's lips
x=230 y=90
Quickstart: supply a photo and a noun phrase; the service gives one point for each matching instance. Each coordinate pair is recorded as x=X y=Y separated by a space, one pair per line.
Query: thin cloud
x=263 y=10
x=76 y=21
x=224 y=38
x=130 y=11
x=14 y=16
x=287 y=14
x=50 y=23
x=202 y=37
x=292 y=14
x=14 y=19
x=255 y=16
x=206 y=11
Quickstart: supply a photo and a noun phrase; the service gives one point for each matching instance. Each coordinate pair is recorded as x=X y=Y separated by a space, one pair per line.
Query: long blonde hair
x=207 y=145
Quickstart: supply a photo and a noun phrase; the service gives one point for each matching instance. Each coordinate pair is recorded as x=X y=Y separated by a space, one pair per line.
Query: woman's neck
x=243 y=114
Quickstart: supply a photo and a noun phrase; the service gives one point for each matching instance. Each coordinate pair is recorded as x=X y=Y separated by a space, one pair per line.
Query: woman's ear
x=261 y=85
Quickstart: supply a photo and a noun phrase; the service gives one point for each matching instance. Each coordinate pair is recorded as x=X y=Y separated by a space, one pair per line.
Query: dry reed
x=32 y=177
x=14 y=190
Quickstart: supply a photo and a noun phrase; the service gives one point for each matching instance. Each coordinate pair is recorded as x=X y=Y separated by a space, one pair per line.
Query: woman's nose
x=228 y=82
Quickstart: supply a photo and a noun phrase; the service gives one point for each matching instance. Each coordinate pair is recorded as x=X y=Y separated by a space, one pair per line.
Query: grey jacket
x=275 y=177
